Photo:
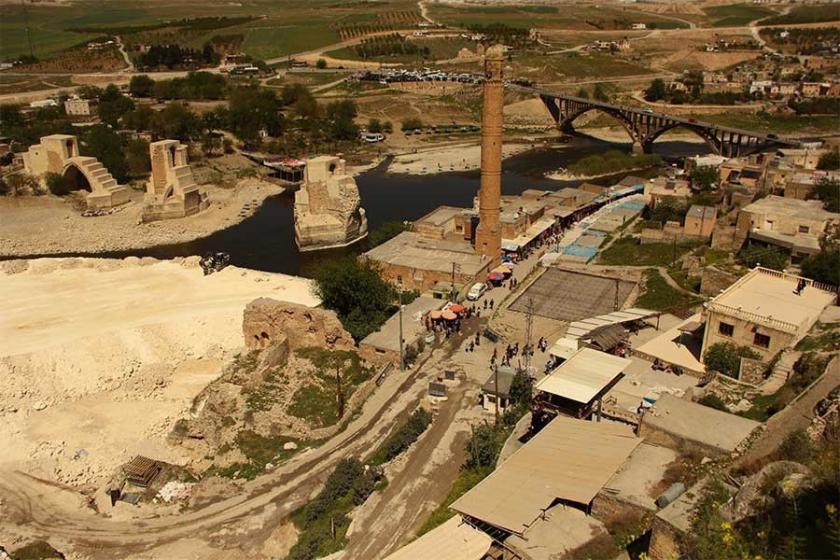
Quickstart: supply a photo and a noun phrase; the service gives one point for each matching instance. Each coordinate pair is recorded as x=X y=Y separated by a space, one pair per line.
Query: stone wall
x=267 y=320
x=664 y=541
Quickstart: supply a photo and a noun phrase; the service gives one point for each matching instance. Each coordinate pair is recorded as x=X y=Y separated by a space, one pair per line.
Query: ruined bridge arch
x=59 y=153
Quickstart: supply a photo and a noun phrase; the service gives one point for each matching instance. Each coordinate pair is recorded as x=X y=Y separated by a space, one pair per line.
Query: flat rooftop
x=768 y=296
x=569 y=459
x=562 y=530
x=791 y=208
x=676 y=347
x=454 y=540
x=388 y=335
x=583 y=376
x=696 y=422
x=638 y=480
x=411 y=250
x=441 y=215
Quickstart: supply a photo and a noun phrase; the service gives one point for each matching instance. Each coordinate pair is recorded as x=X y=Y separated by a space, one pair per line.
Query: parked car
x=476 y=291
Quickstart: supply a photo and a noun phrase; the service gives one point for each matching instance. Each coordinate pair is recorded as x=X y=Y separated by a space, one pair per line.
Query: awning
x=435 y=314
x=501 y=270
x=457 y=308
x=448 y=315
x=496 y=276
x=690 y=326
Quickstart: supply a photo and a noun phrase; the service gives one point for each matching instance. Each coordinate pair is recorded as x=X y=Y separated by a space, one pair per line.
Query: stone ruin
x=59 y=153
x=267 y=322
x=328 y=210
x=171 y=191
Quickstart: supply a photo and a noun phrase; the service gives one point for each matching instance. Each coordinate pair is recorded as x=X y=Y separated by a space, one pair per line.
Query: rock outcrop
x=267 y=321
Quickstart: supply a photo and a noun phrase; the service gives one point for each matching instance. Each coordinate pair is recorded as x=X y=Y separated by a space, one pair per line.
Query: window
x=491 y=399
x=761 y=340
x=726 y=329
x=804 y=229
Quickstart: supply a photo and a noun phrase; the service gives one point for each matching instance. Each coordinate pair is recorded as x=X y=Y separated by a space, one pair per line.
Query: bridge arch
x=653 y=136
x=77 y=177
x=566 y=125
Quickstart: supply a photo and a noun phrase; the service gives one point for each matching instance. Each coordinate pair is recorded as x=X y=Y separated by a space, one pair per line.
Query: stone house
x=766 y=311
x=792 y=224
x=78 y=107
x=700 y=221
x=663 y=189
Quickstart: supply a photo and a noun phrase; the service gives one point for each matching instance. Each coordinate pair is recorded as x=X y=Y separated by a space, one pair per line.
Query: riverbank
x=566 y=176
x=464 y=156
x=48 y=225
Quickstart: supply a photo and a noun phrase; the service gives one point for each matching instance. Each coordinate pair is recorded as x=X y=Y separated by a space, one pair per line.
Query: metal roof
x=454 y=540
x=569 y=460
x=580 y=329
x=583 y=376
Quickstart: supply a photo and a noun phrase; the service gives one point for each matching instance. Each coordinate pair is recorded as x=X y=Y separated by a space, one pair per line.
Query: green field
x=563 y=67
x=807 y=14
x=440 y=49
x=734 y=15
x=285 y=26
x=569 y=17
x=782 y=124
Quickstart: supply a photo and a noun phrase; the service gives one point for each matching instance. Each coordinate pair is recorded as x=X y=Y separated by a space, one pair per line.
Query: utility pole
x=453 y=293
x=496 y=389
x=616 y=303
x=340 y=393
x=28 y=32
x=529 y=328
x=402 y=349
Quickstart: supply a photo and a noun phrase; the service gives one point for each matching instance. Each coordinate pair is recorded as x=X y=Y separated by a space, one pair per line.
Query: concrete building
x=78 y=107
x=700 y=221
x=766 y=311
x=384 y=344
x=683 y=425
x=59 y=153
x=415 y=262
x=328 y=210
x=497 y=389
x=488 y=238
x=171 y=191
x=668 y=189
x=792 y=224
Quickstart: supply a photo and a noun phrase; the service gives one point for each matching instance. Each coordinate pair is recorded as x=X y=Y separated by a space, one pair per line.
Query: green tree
x=657 y=90
x=356 y=292
x=768 y=257
x=141 y=86
x=600 y=93
x=825 y=266
x=10 y=116
x=582 y=93
x=374 y=125
x=725 y=357
x=411 y=123
x=827 y=189
x=253 y=110
x=176 y=121
x=104 y=144
x=387 y=127
x=321 y=64
x=339 y=116
x=137 y=157
x=830 y=161
x=113 y=105
x=387 y=231
x=704 y=177
x=140 y=119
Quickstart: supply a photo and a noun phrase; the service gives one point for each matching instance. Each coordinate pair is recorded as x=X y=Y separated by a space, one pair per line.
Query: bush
x=768 y=257
x=412 y=123
x=403 y=437
x=321 y=64
x=57 y=184
x=796 y=447
x=713 y=401
x=725 y=357
x=387 y=231
x=830 y=161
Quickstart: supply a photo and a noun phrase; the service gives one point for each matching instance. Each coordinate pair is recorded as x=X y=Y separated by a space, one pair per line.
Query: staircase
x=104 y=190
x=781 y=371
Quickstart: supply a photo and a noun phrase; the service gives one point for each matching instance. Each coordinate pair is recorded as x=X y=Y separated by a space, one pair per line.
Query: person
x=491 y=304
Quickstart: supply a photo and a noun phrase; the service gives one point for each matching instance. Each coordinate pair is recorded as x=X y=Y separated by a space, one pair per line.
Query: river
x=266 y=240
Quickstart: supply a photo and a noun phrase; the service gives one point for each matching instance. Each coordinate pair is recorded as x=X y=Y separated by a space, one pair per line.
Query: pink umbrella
x=448 y=315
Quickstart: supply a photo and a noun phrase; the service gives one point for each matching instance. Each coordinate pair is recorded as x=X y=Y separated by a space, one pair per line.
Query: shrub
x=713 y=401
x=412 y=123
x=57 y=184
x=403 y=437
x=321 y=64
x=725 y=357
x=796 y=447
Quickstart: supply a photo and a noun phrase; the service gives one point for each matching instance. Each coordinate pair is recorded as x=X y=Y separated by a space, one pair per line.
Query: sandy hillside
x=99 y=357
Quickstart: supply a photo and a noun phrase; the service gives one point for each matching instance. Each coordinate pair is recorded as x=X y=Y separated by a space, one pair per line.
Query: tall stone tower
x=488 y=236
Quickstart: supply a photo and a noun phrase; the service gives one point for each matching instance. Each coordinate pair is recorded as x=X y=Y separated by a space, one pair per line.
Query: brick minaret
x=488 y=236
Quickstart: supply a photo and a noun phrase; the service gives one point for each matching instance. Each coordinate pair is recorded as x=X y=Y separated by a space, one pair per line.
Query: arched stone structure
x=171 y=191
x=58 y=153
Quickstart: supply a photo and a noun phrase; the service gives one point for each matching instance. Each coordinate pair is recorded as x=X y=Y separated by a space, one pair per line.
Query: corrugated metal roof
x=569 y=459
x=579 y=329
x=583 y=376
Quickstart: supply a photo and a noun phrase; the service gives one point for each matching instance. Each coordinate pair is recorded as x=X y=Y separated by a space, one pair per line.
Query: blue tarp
x=580 y=251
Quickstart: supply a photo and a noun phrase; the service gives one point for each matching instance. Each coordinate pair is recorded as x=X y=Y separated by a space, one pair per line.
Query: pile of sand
x=100 y=357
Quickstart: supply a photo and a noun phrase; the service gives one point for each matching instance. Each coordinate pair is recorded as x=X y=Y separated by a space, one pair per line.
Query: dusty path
x=40 y=508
